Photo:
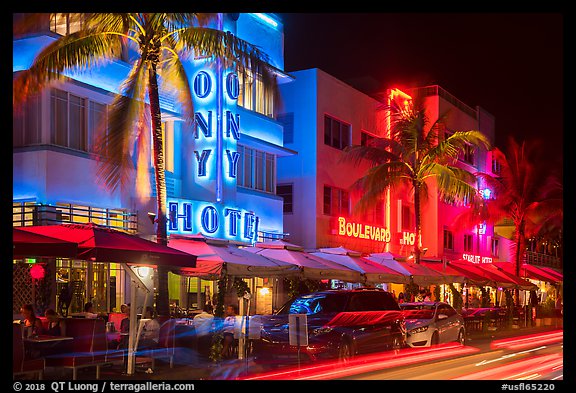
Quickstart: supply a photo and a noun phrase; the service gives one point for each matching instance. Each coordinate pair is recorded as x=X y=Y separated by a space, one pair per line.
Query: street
x=537 y=356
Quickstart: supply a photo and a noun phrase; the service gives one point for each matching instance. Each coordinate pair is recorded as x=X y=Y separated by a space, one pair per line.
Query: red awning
x=528 y=271
x=27 y=245
x=494 y=276
x=101 y=244
x=218 y=257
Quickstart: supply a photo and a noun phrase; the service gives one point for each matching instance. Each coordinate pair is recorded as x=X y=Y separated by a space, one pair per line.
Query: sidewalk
x=189 y=367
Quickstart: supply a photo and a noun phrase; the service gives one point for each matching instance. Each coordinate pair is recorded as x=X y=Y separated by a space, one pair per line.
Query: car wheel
x=435 y=339
x=344 y=352
x=461 y=337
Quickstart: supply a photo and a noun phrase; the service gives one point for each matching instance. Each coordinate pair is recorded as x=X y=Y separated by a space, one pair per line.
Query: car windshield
x=418 y=311
x=315 y=304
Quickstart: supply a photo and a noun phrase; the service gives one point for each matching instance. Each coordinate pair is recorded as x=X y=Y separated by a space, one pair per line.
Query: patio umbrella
x=373 y=272
x=312 y=266
x=528 y=271
x=420 y=274
x=29 y=244
x=101 y=244
x=217 y=257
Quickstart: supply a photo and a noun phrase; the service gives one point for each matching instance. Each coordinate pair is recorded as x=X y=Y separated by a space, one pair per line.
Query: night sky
x=510 y=64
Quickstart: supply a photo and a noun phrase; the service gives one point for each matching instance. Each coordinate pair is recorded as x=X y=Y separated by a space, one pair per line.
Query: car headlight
x=420 y=329
x=318 y=331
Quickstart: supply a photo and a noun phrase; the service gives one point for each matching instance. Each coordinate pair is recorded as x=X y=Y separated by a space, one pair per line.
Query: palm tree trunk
x=417 y=213
x=518 y=257
x=162 y=302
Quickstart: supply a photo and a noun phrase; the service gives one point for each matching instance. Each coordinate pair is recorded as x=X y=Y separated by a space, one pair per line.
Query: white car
x=432 y=323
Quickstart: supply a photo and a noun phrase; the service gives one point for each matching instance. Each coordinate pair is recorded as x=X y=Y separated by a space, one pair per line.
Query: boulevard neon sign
x=188 y=217
x=363 y=231
x=476 y=258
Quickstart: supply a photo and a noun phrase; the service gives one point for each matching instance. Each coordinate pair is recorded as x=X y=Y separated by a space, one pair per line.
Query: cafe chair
x=166 y=347
x=87 y=349
x=20 y=364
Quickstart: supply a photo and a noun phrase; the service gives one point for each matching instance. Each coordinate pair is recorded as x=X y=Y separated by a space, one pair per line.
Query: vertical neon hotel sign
x=216 y=133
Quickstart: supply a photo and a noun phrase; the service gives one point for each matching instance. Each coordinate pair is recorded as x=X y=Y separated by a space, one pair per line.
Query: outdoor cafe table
x=44 y=338
x=44 y=345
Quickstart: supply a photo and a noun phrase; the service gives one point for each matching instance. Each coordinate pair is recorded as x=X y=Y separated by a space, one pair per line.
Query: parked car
x=431 y=323
x=340 y=325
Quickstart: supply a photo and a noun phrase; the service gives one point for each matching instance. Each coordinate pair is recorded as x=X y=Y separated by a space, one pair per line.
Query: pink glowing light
x=522 y=369
x=529 y=340
x=367 y=363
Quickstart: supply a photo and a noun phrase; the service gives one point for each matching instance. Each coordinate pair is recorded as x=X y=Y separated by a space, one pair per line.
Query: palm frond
x=77 y=51
x=113 y=150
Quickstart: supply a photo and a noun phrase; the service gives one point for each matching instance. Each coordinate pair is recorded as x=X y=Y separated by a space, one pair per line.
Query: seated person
x=54 y=327
x=89 y=311
x=228 y=331
x=31 y=322
x=122 y=342
x=204 y=327
x=150 y=335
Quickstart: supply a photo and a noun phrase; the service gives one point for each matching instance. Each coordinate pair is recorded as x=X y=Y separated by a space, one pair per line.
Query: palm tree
x=526 y=192
x=412 y=156
x=161 y=42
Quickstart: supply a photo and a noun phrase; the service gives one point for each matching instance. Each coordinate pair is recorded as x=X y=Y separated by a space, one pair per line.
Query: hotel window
x=336 y=133
x=97 y=117
x=66 y=23
x=68 y=126
x=287 y=121
x=468 y=154
x=407 y=219
x=26 y=126
x=336 y=201
x=468 y=243
x=256 y=169
x=494 y=247
x=448 y=240
x=286 y=191
x=496 y=167
x=366 y=138
x=254 y=95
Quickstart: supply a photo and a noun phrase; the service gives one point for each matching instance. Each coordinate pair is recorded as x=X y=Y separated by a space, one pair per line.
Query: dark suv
x=341 y=324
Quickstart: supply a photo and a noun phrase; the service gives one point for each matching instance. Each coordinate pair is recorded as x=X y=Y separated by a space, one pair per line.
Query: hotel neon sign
x=363 y=231
x=188 y=217
x=476 y=258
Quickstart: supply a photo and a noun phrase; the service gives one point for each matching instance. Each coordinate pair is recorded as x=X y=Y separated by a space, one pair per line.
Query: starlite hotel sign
x=216 y=133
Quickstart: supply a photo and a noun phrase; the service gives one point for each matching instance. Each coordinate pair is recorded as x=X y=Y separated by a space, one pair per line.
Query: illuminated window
x=336 y=133
x=68 y=126
x=256 y=169
x=254 y=95
x=66 y=23
x=494 y=247
x=336 y=202
x=468 y=243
